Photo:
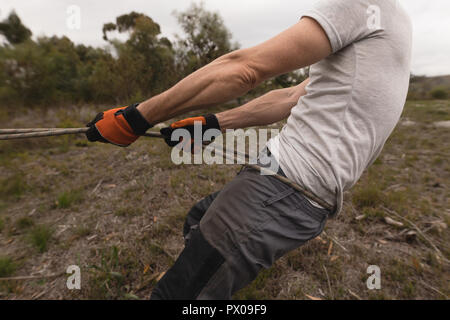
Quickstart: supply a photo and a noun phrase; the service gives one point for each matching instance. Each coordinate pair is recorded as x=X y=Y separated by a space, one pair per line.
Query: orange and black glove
x=207 y=122
x=120 y=126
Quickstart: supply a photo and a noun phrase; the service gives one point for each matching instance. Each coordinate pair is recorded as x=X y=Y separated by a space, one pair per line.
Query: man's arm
x=236 y=73
x=267 y=109
x=224 y=79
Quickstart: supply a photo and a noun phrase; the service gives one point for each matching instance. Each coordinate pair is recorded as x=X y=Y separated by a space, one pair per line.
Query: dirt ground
x=118 y=215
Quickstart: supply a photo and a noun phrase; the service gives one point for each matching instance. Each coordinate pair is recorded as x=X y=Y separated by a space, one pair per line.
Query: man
x=338 y=122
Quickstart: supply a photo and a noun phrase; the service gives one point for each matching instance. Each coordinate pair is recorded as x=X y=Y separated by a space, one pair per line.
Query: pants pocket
x=278 y=197
x=292 y=210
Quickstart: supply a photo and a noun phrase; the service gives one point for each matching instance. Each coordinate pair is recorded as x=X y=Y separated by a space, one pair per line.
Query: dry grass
x=118 y=214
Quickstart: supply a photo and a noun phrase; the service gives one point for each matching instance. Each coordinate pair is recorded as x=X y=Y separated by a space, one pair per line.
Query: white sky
x=250 y=21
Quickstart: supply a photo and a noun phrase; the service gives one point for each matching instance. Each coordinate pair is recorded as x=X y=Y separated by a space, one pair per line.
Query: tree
x=42 y=72
x=13 y=29
x=206 y=38
x=147 y=55
x=55 y=70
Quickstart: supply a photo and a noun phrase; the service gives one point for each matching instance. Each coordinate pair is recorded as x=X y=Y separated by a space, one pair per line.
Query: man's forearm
x=226 y=78
x=220 y=81
x=267 y=109
x=236 y=73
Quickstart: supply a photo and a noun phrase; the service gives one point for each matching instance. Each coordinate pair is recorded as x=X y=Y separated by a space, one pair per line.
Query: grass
x=107 y=280
x=40 y=237
x=373 y=213
x=130 y=230
x=404 y=276
x=13 y=187
x=128 y=211
x=368 y=195
x=82 y=231
x=257 y=289
x=24 y=223
x=69 y=198
x=7 y=267
x=177 y=217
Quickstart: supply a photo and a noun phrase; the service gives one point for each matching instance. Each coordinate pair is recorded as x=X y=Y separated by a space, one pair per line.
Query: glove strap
x=135 y=119
x=212 y=121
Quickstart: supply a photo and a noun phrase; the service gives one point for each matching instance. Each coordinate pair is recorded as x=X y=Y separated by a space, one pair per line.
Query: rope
x=25 y=130
x=13 y=134
x=36 y=133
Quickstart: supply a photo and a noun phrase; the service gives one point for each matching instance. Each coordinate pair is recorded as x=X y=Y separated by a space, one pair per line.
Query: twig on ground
x=33 y=277
x=329 y=283
x=354 y=294
x=39 y=295
x=335 y=241
x=417 y=229
x=434 y=289
x=97 y=186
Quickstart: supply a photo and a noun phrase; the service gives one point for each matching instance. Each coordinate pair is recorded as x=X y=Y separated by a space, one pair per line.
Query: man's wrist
x=136 y=120
x=212 y=121
x=225 y=121
x=153 y=111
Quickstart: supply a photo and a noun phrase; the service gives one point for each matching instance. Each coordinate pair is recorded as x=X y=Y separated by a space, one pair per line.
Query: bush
x=439 y=93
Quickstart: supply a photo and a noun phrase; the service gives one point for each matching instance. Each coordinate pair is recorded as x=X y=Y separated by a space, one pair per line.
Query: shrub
x=439 y=93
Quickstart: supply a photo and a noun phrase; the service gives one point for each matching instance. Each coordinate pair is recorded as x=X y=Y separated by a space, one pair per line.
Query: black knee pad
x=192 y=271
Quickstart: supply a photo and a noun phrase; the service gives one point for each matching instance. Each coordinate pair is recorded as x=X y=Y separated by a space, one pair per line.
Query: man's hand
x=206 y=122
x=120 y=126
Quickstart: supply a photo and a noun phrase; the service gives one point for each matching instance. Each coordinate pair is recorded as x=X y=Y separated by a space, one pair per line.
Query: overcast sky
x=250 y=21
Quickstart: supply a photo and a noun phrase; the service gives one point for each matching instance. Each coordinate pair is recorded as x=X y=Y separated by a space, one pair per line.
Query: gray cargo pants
x=232 y=234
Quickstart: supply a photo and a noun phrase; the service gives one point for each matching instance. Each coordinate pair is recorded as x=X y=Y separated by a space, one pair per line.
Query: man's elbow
x=241 y=70
x=248 y=77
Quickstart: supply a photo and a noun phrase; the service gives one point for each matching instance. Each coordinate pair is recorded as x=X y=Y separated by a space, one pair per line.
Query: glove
x=120 y=126
x=208 y=122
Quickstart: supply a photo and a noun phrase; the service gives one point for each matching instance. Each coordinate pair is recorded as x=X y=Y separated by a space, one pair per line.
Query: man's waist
x=268 y=160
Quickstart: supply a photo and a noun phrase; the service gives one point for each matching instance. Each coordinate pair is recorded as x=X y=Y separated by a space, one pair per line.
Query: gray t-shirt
x=354 y=99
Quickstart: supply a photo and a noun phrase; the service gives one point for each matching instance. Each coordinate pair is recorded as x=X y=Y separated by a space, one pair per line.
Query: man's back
x=354 y=99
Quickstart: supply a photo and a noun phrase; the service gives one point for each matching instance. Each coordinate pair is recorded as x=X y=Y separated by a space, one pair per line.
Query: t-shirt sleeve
x=344 y=21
